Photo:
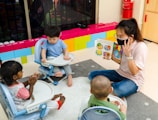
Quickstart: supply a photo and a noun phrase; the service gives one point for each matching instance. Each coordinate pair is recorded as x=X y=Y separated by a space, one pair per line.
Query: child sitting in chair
x=100 y=89
x=11 y=72
x=54 y=47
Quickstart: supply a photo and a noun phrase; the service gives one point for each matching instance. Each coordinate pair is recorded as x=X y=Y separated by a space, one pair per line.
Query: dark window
x=12 y=20
x=64 y=13
x=67 y=14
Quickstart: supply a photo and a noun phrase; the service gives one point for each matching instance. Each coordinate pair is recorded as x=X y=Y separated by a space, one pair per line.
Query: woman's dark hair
x=131 y=28
x=52 y=31
x=8 y=69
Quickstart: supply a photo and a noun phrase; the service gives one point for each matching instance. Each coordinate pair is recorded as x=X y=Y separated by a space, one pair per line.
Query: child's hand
x=43 y=60
x=123 y=108
x=66 y=57
x=32 y=80
x=117 y=103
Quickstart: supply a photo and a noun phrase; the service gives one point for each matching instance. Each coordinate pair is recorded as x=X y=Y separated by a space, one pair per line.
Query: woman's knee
x=90 y=75
x=94 y=73
x=119 y=92
x=123 y=91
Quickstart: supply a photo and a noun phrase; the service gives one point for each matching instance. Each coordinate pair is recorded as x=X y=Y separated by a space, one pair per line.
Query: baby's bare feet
x=62 y=100
x=69 y=81
x=58 y=74
x=56 y=96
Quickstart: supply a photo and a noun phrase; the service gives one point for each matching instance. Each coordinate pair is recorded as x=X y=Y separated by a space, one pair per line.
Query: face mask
x=121 y=41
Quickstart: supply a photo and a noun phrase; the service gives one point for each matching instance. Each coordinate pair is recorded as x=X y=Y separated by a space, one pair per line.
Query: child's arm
x=30 y=91
x=66 y=55
x=31 y=82
x=43 y=54
x=26 y=83
x=123 y=108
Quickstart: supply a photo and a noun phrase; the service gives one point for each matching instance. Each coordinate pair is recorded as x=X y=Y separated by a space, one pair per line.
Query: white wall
x=138 y=10
x=110 y=11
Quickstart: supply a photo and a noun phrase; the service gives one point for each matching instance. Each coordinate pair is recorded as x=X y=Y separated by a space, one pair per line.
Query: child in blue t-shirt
x=53 y=47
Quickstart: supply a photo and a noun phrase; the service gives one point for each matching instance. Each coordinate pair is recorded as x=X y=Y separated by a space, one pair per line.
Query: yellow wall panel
x=111 y=35
x=33 y=50
x=24 y=59
x=81 y=42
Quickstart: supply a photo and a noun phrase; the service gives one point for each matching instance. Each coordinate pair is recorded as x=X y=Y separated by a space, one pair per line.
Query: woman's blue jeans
x=122 y=86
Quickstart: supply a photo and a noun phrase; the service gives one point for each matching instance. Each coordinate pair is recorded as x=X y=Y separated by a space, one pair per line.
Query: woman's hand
x=127 y=51
x=126 y=47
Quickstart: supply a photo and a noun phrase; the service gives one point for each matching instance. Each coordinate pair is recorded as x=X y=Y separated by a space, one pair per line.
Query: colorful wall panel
x=94 y=37
x=75 y=39
x=81 y=42
x=70 y=44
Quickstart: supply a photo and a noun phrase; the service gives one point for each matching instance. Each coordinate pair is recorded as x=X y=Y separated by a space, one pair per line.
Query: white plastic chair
x=47 y=69
x=43 y=92
x=99 y=113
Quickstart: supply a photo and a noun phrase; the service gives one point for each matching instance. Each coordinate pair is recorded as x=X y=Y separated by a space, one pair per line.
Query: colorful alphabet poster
x=104 y=48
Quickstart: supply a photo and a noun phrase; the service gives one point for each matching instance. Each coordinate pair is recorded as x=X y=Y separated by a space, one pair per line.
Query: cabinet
x=151 y=5
x=150 y=21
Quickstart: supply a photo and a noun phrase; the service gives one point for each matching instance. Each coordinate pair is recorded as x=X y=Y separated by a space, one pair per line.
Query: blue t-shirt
x=54 y=49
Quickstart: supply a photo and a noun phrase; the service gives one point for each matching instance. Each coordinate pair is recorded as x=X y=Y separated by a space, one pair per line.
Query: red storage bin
x=127 y=9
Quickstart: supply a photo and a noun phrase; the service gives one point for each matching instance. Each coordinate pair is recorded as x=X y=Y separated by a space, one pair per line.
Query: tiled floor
x=149 y=88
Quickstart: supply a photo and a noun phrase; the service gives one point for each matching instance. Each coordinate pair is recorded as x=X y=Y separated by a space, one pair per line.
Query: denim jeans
x=122 y=87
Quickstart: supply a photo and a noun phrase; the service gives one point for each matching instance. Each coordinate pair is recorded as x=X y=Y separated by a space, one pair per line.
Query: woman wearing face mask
x=128 y=78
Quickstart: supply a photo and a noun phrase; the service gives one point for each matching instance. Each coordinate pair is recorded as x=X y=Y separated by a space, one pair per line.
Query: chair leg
x=54 y=80
x=55 y=83
x=57 y=80
x=50 y=79
x=64 y=77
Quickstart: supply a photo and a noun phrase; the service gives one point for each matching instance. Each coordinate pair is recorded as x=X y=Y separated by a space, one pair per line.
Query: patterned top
x=20 y=95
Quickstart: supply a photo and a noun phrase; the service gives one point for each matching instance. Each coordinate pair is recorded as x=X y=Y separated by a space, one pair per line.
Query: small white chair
x=34 y=111
x=47 y=69
x=99 y=113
